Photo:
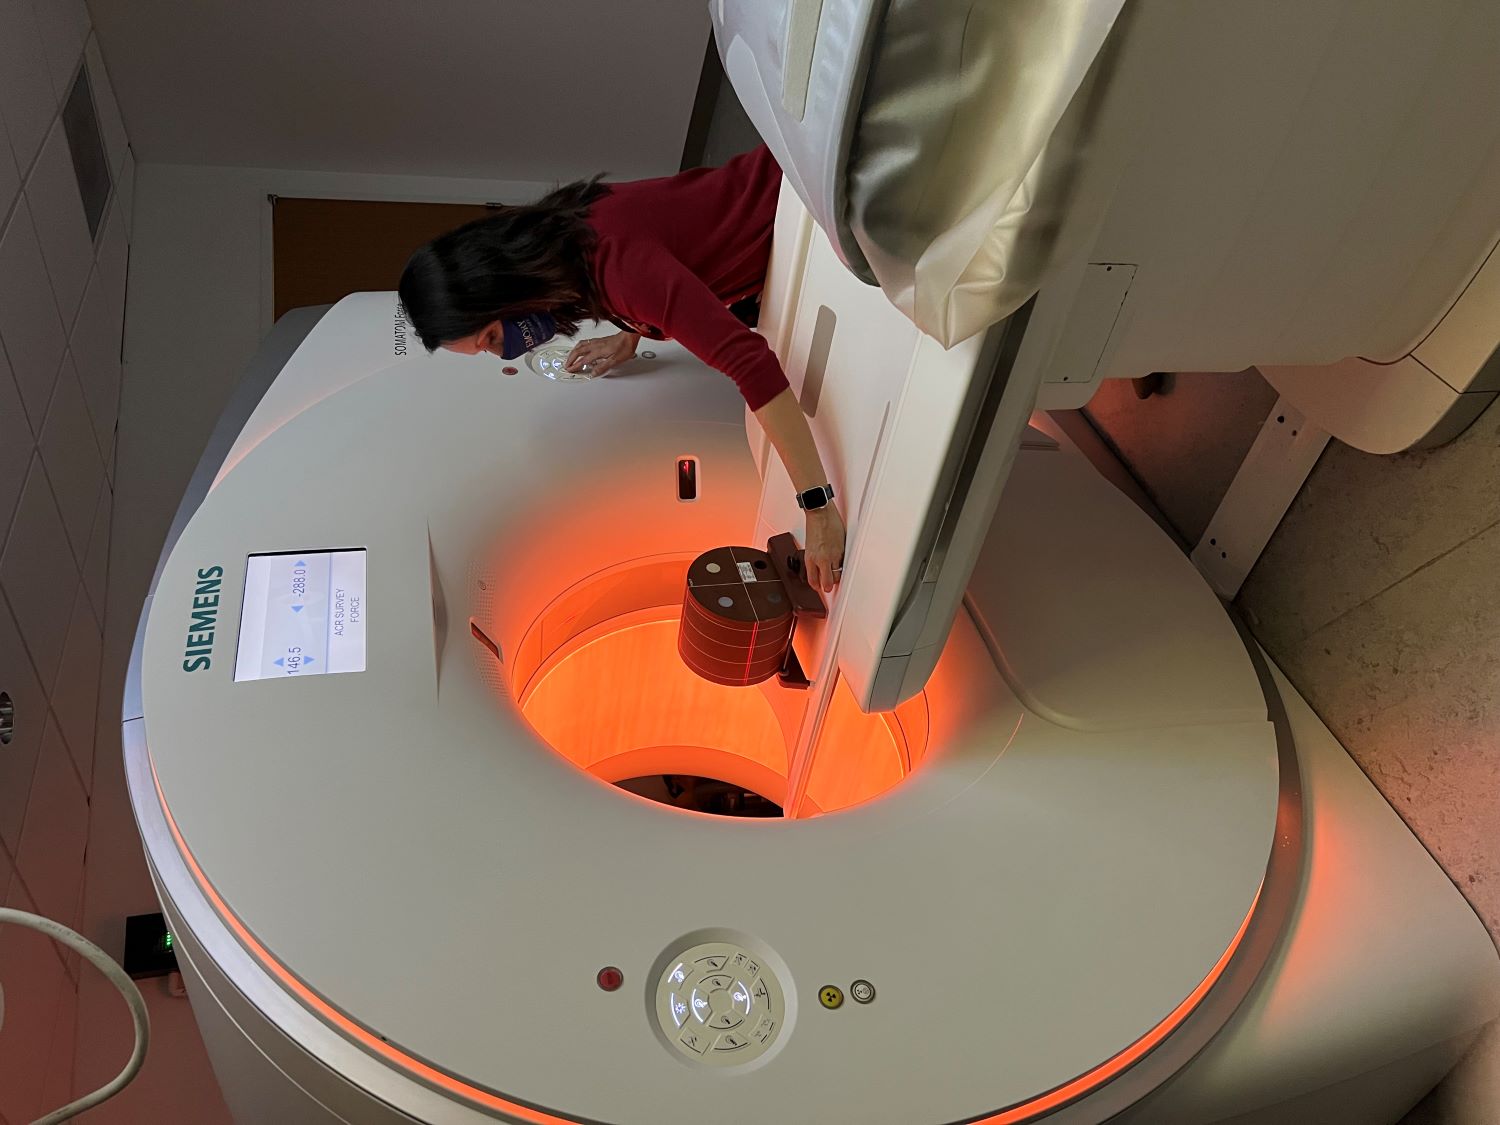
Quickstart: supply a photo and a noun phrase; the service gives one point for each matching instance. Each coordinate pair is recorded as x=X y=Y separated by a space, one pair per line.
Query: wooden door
x=325 y=249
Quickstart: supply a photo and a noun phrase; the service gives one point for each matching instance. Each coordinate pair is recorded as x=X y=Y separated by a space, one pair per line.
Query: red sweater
x=672 y=253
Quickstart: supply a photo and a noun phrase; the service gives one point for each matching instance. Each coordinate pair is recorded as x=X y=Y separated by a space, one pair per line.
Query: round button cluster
x=548 y=361
x=719 y=1004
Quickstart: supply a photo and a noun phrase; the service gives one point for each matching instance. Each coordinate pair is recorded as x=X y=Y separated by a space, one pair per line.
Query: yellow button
x=831 y=996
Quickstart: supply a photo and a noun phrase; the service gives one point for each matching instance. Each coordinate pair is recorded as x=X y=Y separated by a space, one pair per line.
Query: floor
x=1376 y=596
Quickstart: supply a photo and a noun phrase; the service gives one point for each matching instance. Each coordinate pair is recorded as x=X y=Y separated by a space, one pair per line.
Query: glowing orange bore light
x=623 y=704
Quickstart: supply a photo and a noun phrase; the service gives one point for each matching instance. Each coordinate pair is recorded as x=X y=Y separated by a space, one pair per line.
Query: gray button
x=761 y=994
x=862 y=991
x=725 y=1020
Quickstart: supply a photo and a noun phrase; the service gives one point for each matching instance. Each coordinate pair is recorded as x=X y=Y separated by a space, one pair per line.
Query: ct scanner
x=1059 y=841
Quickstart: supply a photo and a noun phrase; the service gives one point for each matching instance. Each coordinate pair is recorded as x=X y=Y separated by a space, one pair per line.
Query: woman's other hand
x=603 y=355
x=823 y=555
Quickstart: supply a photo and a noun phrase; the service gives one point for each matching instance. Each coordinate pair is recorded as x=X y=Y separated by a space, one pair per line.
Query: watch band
x=815 y=498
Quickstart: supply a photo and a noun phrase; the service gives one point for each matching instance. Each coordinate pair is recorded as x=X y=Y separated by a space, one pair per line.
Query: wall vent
x=81 y=123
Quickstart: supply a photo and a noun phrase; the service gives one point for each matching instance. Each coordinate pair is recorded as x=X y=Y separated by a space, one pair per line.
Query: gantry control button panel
x=719 y=1005
x=549 y=362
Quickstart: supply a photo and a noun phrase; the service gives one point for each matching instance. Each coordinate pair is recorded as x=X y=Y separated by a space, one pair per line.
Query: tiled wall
x=62 y=300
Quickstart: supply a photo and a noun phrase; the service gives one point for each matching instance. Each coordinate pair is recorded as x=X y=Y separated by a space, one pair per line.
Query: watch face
x=814 y=498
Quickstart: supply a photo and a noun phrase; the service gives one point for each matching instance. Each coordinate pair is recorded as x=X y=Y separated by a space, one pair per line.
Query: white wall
x=62 y=295
x=472 y=88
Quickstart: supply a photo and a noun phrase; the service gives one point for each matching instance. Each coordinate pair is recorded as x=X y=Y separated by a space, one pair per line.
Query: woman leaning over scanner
x=659 y=258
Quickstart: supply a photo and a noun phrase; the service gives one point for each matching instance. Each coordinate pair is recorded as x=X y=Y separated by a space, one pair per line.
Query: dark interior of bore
x=701 y=794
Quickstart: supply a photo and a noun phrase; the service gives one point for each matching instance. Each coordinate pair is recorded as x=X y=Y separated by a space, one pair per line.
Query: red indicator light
x=610 y=978
x=687 y=478
x=509 y=370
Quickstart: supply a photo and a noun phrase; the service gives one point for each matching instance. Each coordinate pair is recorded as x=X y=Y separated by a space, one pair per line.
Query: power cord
x=116 y=975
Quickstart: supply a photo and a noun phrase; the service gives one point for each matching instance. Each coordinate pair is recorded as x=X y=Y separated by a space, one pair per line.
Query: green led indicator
x=166 y=941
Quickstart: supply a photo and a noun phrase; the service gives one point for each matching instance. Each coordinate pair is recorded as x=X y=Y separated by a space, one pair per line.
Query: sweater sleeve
x=654 y=287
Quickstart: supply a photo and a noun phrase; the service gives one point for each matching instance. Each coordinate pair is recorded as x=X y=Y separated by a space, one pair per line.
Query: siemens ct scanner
x=1057 y=841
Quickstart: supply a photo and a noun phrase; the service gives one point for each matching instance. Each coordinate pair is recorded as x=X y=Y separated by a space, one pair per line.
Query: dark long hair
x=517 y=261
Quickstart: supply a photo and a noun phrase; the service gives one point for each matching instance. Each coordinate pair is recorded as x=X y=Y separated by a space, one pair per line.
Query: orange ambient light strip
x=1132 y=1054
x=483 y=1098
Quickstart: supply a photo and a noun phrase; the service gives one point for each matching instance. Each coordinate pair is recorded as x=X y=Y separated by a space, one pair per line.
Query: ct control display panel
x=303 y=615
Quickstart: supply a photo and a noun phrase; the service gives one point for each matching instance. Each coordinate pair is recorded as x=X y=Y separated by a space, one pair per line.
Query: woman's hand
x=823 y=554
x=601 y=356
x=823 y=547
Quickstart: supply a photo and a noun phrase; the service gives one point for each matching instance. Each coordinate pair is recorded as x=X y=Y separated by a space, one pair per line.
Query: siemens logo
x=401 y=328
x=200 y=635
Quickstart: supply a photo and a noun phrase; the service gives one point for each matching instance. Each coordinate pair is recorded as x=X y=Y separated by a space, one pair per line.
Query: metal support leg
x=1273 y=472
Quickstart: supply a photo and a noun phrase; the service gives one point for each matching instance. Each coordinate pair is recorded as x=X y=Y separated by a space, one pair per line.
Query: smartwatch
x=815 y=498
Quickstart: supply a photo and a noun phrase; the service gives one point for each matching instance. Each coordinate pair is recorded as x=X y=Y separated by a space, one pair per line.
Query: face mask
x=523 y=334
